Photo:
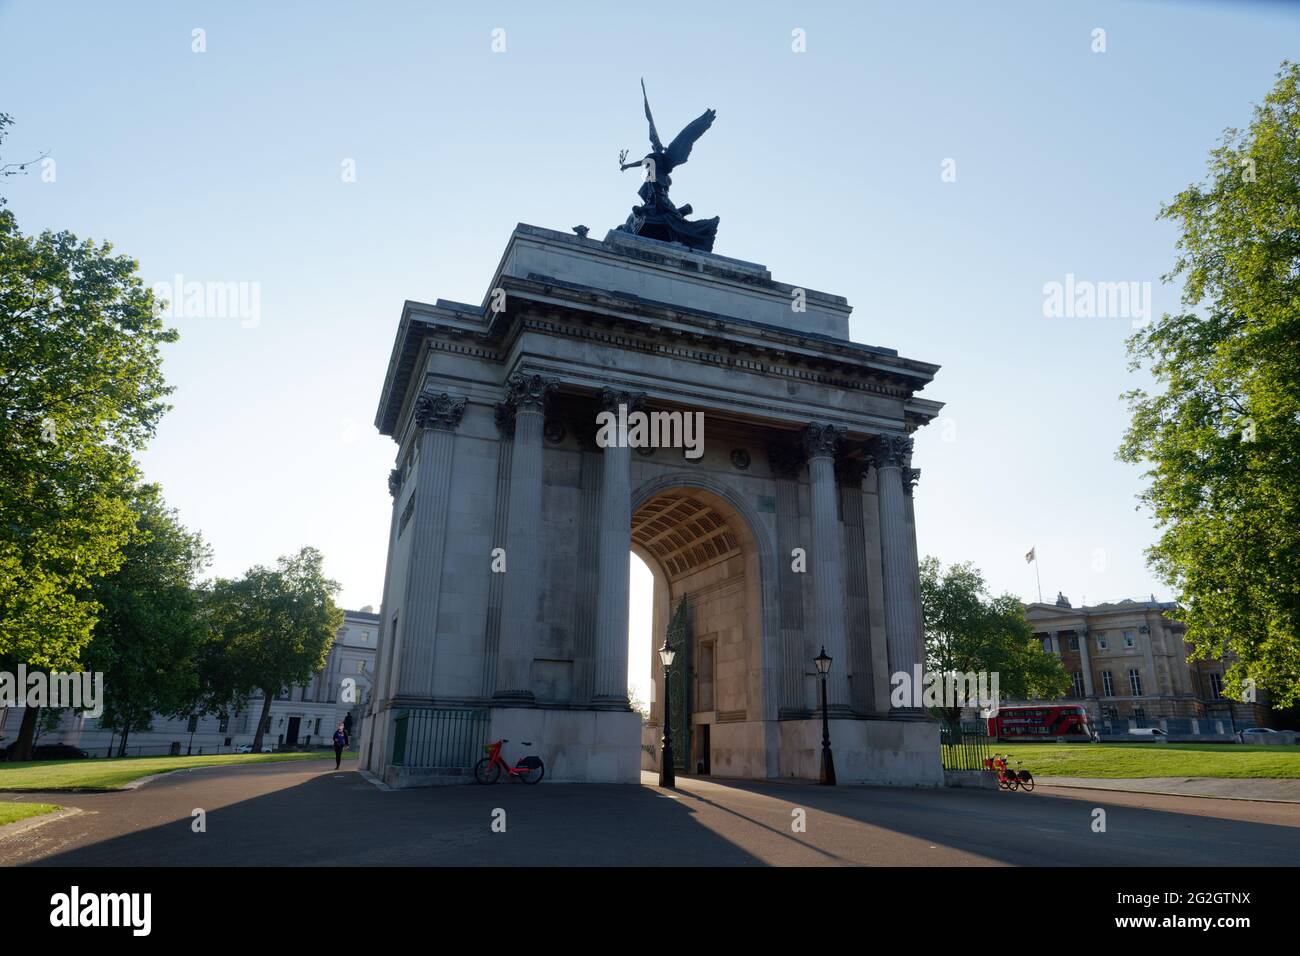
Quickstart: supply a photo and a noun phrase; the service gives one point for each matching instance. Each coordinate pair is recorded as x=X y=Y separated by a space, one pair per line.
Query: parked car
x=47 y=752
x=1262 y=731
x=1147 y=732
x=244 y=749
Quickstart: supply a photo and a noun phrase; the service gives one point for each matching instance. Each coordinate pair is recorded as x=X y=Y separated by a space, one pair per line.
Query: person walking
x=340 y=741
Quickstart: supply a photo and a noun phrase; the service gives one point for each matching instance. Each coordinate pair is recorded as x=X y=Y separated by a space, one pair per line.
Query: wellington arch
x=787 y=529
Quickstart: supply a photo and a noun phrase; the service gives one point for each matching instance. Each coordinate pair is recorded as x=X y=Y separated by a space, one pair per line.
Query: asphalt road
x=308 y=814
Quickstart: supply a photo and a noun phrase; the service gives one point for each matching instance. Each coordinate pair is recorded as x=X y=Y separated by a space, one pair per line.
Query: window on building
x=1139 y=714
x=1107 y=685
x=318 y=719
x=1216 y=686
x=1077 y=680
x=224 y=725
x=193 y=725
x=365 y=635
x=1128 y=638
x=1135 y=681
x=1074 y=642
x=1101 y=640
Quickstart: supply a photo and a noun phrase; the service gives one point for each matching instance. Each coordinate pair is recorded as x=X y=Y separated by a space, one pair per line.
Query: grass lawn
x=111 y=774
x=13 y=812
x=1155 y=760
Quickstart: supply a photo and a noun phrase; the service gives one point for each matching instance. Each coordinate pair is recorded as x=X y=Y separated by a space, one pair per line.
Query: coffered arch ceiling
x=684 y=533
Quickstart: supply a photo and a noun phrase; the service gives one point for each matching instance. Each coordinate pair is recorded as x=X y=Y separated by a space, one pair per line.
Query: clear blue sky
x=824 y=165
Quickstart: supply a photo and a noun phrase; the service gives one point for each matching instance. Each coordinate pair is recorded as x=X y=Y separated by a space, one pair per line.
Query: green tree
x=81 y=389
x=271 y=629
x=968 y=630
x=1221 y=439
x=150 y=626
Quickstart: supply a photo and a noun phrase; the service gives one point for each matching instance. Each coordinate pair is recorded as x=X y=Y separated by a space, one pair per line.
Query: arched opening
x=640 y=634
x=697 y=583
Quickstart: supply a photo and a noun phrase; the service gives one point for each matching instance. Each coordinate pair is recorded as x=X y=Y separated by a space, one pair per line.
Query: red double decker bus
x=1041 y=722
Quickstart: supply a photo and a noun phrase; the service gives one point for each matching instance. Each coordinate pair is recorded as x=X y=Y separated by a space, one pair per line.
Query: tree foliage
x=150 y=626
x=81 y=389
x=968 y=630
x=271 y=629
x=1221 y=439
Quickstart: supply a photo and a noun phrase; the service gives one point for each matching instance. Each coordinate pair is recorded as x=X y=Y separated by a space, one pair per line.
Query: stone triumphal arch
x=789 y=528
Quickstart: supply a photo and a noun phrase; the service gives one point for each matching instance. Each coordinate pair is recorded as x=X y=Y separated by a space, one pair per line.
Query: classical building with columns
x=505 y=608
x=1128 y=664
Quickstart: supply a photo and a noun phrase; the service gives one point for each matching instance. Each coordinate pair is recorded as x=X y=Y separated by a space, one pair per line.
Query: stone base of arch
x=578 y=746
x=887 y=753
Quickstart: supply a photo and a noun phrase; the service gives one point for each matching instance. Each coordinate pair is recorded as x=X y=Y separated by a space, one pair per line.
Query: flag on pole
x=1030 y=556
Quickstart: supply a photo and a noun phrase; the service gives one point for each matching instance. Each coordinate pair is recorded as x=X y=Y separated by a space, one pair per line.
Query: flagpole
x=1038 y=577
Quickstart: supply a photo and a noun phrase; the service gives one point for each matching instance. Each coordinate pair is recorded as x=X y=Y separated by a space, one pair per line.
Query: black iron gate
x=679 y=683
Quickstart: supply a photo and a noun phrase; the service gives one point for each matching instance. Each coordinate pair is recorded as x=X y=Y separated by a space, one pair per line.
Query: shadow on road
x=273 y=816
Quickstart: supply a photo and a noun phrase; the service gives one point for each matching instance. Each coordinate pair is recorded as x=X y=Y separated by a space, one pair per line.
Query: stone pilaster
x=586 y=641
x=526 y=397
x=820 y=442
x=890 y=455
x=613 y=560
x=794 y=700
x=437 y=415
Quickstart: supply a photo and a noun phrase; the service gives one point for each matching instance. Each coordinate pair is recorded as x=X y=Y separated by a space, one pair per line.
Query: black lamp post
x=667 y=775
x=823 y=663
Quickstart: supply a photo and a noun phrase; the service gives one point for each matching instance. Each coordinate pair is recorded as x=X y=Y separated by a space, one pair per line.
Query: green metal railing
x=438 y=737
x=963 y=748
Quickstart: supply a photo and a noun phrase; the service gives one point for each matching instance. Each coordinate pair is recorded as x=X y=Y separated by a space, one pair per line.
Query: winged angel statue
x=658 y=218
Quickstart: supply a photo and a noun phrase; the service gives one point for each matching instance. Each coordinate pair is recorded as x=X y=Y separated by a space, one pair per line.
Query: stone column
x=820 y=441
x=526 y=397
x=437 y=415
x=613 y=556
x=910 y=477
x=890 y=455
x=1085 y=662
x=857 y=634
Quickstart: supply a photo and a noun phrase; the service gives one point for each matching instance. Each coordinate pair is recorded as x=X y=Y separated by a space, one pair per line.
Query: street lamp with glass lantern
x=667 y=775
x=823 y=663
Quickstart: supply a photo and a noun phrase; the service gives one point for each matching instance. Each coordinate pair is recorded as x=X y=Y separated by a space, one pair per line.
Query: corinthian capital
x=528 y=392
x=910 y=477
x=785 y=460
x=439 y=410
x=891 y=451
x=394 y=482
x=612 y=398
x=821 y=440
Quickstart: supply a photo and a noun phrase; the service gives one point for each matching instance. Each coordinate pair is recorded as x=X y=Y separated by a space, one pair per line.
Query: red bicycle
x=1009 y=779
x=488 y=770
